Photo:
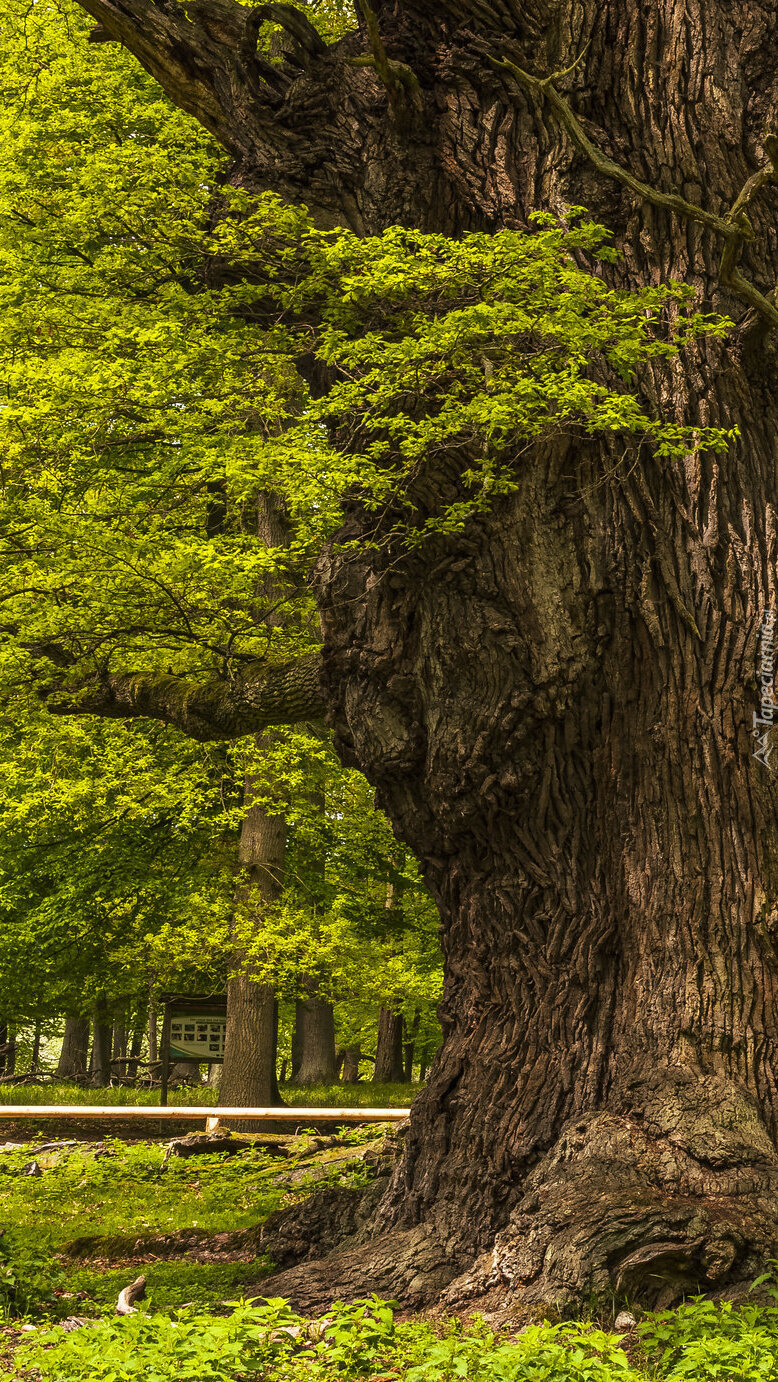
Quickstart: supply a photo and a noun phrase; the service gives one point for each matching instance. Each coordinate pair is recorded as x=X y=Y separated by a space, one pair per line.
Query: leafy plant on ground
x=29 y=1276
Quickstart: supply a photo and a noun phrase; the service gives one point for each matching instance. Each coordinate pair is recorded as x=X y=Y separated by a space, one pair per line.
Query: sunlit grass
x=205 y=1096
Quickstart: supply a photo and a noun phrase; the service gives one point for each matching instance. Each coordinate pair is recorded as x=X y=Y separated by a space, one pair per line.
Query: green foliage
x=265 y=1339
x=151 y=392
x=29 y=1275
x=716 y=1340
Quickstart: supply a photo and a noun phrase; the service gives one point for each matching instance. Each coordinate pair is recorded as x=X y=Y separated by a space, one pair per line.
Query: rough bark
x=389 y=1048
x=257 y=697
x=557 y=709
x=74 y=1056
x=314 y=1042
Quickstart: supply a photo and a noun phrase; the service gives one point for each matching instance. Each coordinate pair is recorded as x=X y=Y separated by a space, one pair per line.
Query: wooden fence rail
x=213 y=1116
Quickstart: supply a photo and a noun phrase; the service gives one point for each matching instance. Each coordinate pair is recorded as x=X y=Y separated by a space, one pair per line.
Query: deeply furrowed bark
x=557 y=710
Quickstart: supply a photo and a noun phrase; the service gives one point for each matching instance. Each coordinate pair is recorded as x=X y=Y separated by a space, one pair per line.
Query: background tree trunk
x=136 y=1045
x=10 y=1055
x=409 y=1043
x=389 y=1048
x=556 y=705
x=35 y=1057
x=249 y=1070
x=102 y=1034
x=74 y=1056
x=153 y=1039
x=351 y=1058
x=119 y=1046
x=315 y=1041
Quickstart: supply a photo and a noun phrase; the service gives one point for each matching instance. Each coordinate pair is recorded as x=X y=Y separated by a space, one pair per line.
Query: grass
x=321 y=1096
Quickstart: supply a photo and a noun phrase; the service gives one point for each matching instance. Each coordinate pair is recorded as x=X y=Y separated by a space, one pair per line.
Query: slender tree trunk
x=74 y=1056
x=136 y=1046
x=389 y=1048
x=409 y=1043
x=557 y=704
x=3 y=1046
x=153 y=1039
x=315 y=1041
x=119 y=1040
x=251 y=1045
x=10 y=1057
x=36 y=1049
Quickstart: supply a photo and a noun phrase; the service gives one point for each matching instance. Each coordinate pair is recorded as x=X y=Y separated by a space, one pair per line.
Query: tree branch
x=735 y=228
x=259 y=697
x=397 y=77
x=295 y=23
x=197 y=55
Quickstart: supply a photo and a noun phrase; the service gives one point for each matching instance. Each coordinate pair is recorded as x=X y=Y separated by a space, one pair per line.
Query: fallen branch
x=135 y=1291
x=210 y=1143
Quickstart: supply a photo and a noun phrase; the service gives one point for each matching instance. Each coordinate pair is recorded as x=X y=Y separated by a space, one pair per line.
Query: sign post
x=193 y=1031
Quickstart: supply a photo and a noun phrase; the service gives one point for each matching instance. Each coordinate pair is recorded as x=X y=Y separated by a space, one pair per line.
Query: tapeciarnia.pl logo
x=764 y=720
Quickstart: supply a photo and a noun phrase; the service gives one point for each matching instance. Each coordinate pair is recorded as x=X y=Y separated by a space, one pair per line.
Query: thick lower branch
x=260 y=697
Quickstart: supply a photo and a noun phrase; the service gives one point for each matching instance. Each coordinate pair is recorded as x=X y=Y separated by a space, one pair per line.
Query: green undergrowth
x=266 y=1340
x=185 y=1096
x=113 y=1202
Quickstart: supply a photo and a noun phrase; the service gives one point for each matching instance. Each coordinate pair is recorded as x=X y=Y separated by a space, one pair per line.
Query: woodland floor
x=81 y=1219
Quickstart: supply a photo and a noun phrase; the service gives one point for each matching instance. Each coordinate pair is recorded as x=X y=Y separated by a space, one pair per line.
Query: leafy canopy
x=161 y=333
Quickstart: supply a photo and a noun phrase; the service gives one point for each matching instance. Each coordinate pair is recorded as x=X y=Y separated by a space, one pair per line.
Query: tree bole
x=556 y=705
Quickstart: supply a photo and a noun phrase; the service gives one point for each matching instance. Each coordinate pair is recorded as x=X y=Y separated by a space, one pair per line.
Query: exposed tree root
x=409 y=1266
x=613 y=1209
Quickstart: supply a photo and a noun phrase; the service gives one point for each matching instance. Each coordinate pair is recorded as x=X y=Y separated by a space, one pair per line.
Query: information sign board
x=193 y=1030
x=197 y=1036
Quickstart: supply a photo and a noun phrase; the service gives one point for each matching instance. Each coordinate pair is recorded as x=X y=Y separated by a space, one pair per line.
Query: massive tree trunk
x=557 y=711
